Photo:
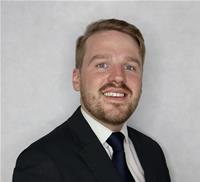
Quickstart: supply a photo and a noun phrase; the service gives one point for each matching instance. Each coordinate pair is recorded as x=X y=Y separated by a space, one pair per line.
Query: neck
x=116 y=127
x=112 y=127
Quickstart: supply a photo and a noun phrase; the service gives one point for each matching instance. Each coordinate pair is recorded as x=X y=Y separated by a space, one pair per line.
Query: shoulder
x=150 y=155
x=141 y=137
x=50 y=143
x=58 y=137
x=59 y=140
x=55 y=153
x=144 y=142
x=36 y=164
x=40 y=160
x=38 y=150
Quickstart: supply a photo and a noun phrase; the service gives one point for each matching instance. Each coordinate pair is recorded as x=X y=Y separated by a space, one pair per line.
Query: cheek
x=90 y=83
x=134 y=83
x=96 y=79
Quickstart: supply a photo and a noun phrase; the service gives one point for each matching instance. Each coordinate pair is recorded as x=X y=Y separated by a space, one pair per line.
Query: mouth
x=115 y=94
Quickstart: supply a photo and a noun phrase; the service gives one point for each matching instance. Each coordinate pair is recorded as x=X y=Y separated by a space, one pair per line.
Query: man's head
x=109 y=63
x=106 y=25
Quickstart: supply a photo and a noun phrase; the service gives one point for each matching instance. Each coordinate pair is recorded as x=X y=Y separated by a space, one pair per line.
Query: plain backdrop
x=38 y=45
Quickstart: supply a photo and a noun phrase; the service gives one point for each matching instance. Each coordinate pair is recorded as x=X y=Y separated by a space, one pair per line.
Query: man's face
x=110 y=78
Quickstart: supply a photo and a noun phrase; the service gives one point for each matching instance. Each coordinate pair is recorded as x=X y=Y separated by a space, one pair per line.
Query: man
x=95 y=144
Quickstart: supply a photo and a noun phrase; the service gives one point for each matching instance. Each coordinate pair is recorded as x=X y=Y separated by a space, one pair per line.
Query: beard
x=118 y=112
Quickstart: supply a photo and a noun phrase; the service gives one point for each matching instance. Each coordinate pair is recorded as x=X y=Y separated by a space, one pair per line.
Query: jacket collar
x=90 y=149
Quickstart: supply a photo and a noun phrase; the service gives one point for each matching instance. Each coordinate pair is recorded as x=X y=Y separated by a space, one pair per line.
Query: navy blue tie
x=116 y=141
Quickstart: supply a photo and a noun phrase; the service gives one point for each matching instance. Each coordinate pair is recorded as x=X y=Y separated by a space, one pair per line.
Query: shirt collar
x=100 y=130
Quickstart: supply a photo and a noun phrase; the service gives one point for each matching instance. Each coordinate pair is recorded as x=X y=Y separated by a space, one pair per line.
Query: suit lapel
x=143 y=156
x=91 y=150
x=98 y=161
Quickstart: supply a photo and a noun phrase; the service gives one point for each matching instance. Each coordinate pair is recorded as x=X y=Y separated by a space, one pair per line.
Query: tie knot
x=116 y=141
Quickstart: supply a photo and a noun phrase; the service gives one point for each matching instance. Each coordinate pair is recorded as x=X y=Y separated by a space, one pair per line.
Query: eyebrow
x=107 y=56
x=99 y=56
x=133 y=60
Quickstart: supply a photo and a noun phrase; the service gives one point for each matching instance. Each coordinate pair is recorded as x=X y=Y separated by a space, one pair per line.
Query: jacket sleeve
x=35 y=166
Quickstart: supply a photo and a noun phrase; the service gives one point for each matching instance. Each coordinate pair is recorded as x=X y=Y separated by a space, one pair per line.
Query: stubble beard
x=117 y=116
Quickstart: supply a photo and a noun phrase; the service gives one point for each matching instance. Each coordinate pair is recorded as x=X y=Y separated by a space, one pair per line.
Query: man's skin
x=110 y=78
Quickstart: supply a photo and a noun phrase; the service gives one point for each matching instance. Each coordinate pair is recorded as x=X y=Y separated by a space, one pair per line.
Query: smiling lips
x=111 y=90
x=114 y=94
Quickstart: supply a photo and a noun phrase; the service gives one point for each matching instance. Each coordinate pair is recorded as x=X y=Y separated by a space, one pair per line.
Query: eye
x=102 y=65
x=129 y=67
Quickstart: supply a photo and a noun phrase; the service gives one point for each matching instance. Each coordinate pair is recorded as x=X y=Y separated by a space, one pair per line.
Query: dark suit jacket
x=73 y=153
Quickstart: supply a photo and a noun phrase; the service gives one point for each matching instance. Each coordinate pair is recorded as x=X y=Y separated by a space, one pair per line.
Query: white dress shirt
x=103 y=134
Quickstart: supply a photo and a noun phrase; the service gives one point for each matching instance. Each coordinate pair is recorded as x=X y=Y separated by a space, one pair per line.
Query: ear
x=76 y=79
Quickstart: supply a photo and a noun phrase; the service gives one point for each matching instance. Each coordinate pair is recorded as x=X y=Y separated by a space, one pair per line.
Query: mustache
x=122 y=86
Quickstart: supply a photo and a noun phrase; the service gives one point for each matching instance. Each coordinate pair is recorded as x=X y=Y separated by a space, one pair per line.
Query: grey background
x=38 y=41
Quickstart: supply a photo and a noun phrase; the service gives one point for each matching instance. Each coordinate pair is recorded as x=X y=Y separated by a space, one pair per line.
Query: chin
x=116 y=107
x=116 y=119
x=118 y=112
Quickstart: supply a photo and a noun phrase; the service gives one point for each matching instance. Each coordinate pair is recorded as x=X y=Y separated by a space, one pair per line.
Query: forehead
x=108 y=35
x=111 y=42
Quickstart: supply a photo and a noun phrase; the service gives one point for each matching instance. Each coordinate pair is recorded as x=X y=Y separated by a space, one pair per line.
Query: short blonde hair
x=106 y=25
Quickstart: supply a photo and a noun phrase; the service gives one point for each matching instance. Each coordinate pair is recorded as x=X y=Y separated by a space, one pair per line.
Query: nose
x=117 y=75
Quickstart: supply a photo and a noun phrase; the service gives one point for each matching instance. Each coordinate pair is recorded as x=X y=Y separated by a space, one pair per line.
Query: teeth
x=114 y=94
